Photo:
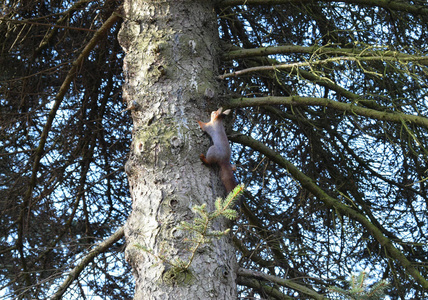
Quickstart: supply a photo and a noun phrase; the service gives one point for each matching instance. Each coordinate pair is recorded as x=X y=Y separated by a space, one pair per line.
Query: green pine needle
x=359 y=290
x=199 y=230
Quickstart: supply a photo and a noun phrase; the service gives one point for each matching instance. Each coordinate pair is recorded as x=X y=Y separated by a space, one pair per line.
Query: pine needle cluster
x=359 y=290
x=200 y=232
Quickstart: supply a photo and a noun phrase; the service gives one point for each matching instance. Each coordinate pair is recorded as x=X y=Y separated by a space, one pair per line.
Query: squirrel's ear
x=226 y=112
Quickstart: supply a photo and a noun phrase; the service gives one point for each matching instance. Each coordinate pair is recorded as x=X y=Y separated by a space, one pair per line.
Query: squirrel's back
x=219 y=152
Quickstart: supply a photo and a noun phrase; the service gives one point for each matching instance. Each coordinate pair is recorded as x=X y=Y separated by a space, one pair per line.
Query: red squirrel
x=219 y=152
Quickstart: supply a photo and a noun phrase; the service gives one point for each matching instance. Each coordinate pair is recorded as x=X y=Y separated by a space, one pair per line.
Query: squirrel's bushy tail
x=227 y=177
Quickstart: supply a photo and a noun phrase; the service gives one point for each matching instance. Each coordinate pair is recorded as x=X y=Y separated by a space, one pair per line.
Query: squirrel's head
x=219 y=113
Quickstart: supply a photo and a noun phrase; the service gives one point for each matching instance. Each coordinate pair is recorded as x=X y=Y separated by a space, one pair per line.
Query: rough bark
x=170 y=72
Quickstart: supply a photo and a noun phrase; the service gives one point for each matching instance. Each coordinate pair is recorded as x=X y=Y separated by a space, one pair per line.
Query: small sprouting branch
x=358 y=289
x=200 y=229
x=201 y=225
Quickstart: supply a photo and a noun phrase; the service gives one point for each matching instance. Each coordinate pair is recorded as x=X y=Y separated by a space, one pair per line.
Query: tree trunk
x=170 y=72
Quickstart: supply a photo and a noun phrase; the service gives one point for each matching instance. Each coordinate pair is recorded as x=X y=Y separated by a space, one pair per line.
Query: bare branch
x=386 y=4
x=264 y=288
x=372 y=51
x=283 y=282
x=420 y=59
x=102 y=247
x=353 y=108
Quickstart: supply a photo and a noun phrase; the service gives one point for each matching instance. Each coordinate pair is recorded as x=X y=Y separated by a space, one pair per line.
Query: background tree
x=330 y=105
x=63 y=147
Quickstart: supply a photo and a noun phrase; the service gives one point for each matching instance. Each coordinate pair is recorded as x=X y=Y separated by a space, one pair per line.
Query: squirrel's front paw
x=203 y=159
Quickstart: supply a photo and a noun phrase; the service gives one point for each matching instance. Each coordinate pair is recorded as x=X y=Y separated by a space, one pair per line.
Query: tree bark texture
x=170 y=72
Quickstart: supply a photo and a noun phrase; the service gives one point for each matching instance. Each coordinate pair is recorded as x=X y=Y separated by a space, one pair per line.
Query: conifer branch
x=352 y=108
x=40 y=150
x=331 y=202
